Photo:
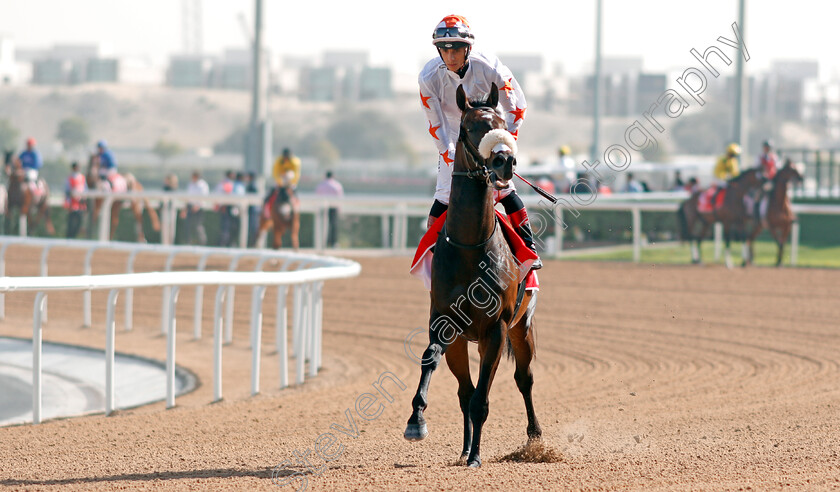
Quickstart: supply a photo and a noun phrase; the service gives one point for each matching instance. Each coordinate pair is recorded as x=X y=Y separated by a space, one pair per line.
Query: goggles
x=451 y=32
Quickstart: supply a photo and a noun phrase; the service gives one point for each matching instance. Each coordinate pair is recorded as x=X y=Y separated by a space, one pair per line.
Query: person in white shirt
x=194 y=212
x=330 y=187
x=458 y=65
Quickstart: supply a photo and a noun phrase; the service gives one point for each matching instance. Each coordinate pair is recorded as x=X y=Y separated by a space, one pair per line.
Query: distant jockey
x=30 y=161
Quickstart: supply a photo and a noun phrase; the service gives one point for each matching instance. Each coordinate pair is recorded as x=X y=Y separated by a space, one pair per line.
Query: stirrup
x=537 y=264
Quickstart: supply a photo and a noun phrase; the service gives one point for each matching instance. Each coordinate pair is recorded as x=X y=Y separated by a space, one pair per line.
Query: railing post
x=199 y=299
x=794 y=243
x=170 y=352
x=45 y=273
x=105 y=218
x=129 y=293
x=311 y=329
x=256 y=337
x=244 y=225
x=299 y=334
x=86 y=295
x=637 y=234
x=386 y=230
x=40 y=297
x=3 y=274
x=217 y=343
x=718 y=228
x=110 y=328
x=281 y=334
x=165 y=304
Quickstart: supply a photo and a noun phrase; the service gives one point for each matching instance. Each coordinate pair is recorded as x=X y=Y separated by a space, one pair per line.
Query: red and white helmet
x=452 y=29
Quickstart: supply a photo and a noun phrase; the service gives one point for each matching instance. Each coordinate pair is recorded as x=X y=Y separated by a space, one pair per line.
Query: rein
x=481 y=174
x=480 y=245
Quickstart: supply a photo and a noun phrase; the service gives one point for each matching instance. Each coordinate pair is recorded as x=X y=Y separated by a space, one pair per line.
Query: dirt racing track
x=647 y=377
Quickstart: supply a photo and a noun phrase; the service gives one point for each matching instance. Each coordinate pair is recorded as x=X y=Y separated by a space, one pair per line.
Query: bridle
x=481 y=173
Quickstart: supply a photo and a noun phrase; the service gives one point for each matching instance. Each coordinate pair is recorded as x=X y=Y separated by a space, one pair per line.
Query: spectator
x=73 y=203
x=692 y=186
x=547 y=184
x=170 y=182
x=632 y=186
x=567 y=166
x=225 y=187
x=330 y=187
x=193 y=212
x=679 y=185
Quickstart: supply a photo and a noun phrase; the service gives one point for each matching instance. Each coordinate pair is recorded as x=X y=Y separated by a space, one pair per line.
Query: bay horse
x=732 y=213
x=118 y=184
x=284 y=216
x=21 y=200
x=779 y=216
x=471 y=252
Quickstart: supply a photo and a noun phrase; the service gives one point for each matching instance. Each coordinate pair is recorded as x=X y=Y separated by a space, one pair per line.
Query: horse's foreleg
x=115 y=217
x=784 y=232
x=727 y=238
x=490 y=349
x=295 y=231
x=458 y=360
x=44 y=211
x=137 y=210
x=521 y=339
x=416 y=429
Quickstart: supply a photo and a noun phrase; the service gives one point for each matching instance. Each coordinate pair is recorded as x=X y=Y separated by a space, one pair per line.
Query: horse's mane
x=743 y=175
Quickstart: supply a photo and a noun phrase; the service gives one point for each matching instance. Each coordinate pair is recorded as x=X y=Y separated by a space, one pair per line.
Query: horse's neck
x=470 y=217
x=779 y=193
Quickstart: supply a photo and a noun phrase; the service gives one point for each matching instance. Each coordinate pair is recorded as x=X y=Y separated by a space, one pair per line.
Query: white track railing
x=398 y=209
x=307 y=278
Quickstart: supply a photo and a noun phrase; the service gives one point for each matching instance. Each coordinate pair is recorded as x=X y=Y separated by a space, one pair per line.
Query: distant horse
x=23 y=198
x=471 y=251
x=284 y=216
x=117 y=184
x=732 y=213
x=775 y=212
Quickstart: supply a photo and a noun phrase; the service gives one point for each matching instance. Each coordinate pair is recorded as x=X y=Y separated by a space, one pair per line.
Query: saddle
x=421 y=266
x=284 y=198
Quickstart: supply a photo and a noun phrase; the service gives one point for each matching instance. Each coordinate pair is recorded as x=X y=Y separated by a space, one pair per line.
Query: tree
x=73 y=132
x=166 y=149
x=8 y=135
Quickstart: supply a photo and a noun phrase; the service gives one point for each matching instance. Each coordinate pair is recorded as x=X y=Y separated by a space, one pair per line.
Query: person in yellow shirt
x=727 y=165
x=726 y=168
x=286 y=174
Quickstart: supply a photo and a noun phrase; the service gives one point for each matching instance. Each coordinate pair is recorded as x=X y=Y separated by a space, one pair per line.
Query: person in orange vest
x=75 y=185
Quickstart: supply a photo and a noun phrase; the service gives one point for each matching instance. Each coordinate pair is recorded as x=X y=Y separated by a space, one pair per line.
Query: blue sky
x=398 y=33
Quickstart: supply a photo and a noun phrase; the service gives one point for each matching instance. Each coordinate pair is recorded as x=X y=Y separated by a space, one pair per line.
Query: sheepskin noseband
x=495 y=141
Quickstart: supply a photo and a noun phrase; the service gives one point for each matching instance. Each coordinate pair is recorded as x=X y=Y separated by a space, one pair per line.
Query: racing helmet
x=452 y=31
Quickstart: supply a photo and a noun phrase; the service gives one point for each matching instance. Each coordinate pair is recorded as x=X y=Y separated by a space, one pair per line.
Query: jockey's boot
x=522 y=226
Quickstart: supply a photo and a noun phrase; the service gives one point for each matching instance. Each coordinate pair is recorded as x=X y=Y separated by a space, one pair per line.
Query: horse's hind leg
x=458 y=360
x=521 y=339
x=416 y=429
x=490 y=349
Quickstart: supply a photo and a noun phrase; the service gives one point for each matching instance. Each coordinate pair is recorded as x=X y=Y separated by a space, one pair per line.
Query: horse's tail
x=685 y=234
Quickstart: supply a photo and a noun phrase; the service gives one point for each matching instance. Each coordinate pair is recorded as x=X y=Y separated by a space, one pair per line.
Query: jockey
x=768 y=161
x=30 y=161
x=727 y=165
x=286 y=173
x=458 y=65
x=107 y=163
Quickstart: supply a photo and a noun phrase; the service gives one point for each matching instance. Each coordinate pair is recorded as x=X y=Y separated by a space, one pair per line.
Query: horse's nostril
x=511 y=160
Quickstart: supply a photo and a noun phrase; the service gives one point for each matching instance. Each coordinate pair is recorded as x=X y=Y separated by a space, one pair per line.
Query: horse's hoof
x=475 y=463
x=415 y=432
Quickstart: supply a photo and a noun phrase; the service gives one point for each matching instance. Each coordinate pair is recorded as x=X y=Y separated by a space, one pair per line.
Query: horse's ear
x=493 y=100
x=461 y=98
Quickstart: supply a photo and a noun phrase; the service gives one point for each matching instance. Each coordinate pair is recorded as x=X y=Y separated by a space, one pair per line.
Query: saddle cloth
x=704 y=201
x=421 y=266
x=114 y=182
x=37 y=188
